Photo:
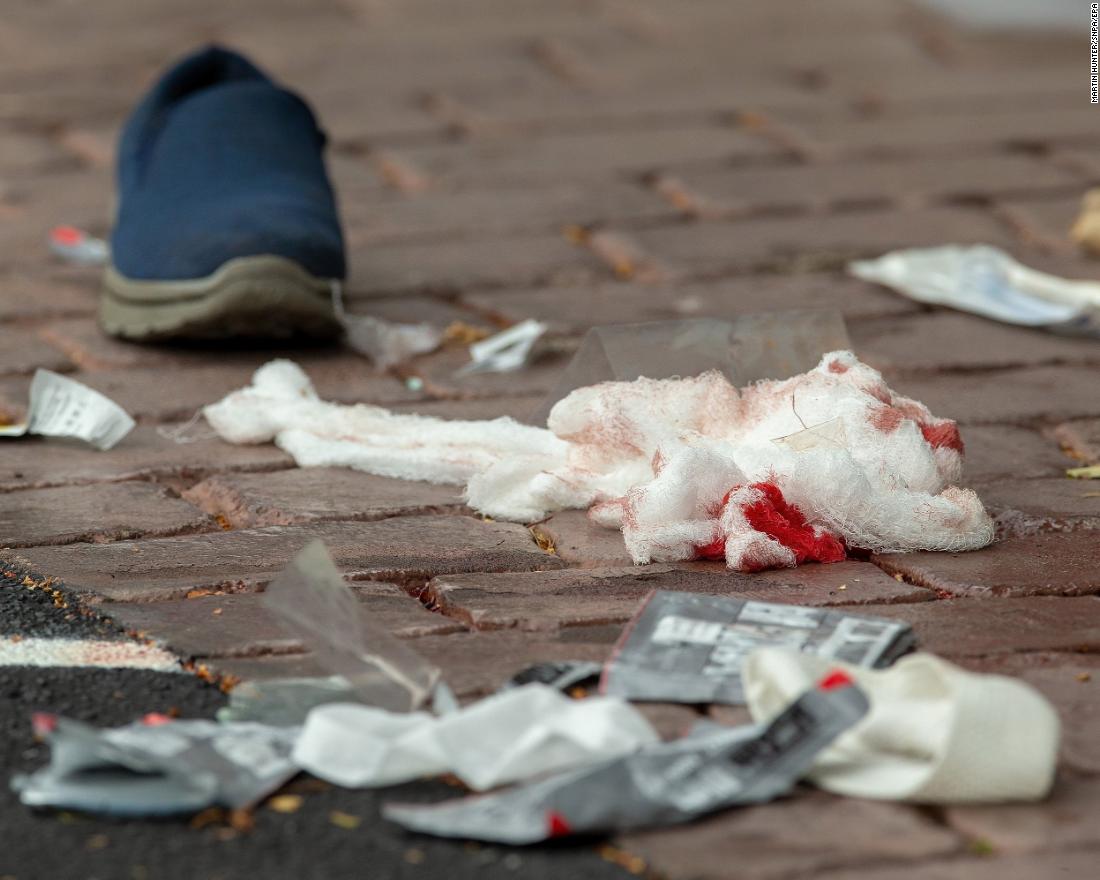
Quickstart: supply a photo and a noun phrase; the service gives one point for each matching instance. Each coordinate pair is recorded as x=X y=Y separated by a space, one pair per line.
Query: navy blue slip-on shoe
x=226 y=222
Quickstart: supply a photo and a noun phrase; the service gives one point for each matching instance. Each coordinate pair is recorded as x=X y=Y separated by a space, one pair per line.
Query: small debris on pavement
x=386 y=343
x=561 y=675
x=505 y=352
x=461 y=333
x=77 y=246
x=1092 y=472
x=62 y=407
x=207 y=817
x=285 y=803
x=344 y=820
x=1086 y=228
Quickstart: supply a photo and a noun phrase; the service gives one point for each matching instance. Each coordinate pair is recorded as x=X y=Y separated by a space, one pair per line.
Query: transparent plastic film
x=770 y=345
x=312 y=600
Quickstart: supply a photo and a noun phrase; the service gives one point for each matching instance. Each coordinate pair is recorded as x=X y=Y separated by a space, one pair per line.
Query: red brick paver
x=585 y=163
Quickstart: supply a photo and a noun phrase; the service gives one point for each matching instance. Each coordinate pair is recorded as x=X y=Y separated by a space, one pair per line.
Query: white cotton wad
x=281 y=405
x=934 y=733
x=767 y=476
x=512 y=735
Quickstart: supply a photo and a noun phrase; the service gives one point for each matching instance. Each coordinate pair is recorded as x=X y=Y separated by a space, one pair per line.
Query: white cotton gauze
x=934 y=734
x=612 y=422
x=889 y=437
x=281 y=405
x=774 y=474
x=280 y=394
x=833 y=491
x=668 y=518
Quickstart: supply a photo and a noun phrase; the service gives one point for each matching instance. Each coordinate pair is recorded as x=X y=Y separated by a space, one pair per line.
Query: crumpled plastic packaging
x=986 y=281
x=512 y=735
x=688 y=648
x=385 y=343
x=286 y=702
x=934 y=733
x=157 y=766
x=766 y=476
x=673 y=782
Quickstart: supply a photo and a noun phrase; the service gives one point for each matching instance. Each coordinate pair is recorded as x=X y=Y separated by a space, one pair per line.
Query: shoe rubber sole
x=259 y=297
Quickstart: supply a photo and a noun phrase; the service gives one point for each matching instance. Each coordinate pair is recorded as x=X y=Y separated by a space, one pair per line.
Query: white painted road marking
x=18 y=651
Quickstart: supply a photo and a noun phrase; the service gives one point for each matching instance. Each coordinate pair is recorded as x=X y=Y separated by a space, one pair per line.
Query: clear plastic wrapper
x=284 y=702
x=986 y=281
x=661 y=785
x=769 y=345
x=689 y=648
x=158 y=768
x=314 y=603
x=386 y=343
x=512 y=735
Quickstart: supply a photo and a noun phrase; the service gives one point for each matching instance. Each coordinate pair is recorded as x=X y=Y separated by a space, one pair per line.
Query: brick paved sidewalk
x=587 y=162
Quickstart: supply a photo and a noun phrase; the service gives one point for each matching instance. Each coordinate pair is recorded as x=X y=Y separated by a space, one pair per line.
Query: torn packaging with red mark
x=708 y=770
x=77 y=246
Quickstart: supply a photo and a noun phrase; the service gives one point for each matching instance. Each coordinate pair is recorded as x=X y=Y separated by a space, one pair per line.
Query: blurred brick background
x=586 y=162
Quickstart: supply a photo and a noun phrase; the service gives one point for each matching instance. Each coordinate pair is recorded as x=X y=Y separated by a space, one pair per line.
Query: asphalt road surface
x=308 y=843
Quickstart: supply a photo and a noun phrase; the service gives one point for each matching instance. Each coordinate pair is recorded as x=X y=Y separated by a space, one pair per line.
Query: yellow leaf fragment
x=286 y=803
x=344 y=820
x=1092 y=472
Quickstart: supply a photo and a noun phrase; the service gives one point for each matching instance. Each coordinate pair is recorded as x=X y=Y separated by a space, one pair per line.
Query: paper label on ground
x=62 y=407
x=688 y=648
x=675 y=629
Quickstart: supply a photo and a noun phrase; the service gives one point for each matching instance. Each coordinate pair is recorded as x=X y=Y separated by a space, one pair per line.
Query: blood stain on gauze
x=770 y=513
x=770 y=475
